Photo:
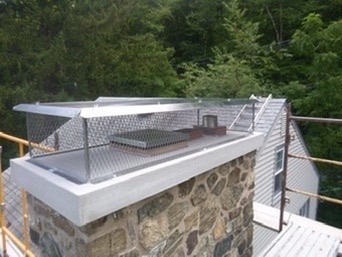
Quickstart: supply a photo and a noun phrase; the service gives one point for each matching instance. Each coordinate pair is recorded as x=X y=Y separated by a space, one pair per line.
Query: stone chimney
x=208 y=215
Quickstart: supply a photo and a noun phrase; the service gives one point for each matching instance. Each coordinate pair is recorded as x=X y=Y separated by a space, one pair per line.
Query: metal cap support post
x=253 y=118
x=86 y=150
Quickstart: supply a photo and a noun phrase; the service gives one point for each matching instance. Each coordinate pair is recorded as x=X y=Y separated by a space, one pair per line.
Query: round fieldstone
x=219 y=229
x=244 y=176
x=233 y=163
x=34 y=235
x=192 y=241
x=119 y=240
x=230 y=197
x=186 y=187
x=240 y=160
x=94 y=226
x=154 y=207
x=152 y=232
x=253 y=162
x=100 y=246
x=172 y=243
x=49 y=247
x=244 y=201
x=199 y=196
x=234 y=213
x=191 y=221
x=245 y=164
x=234 y=177
x=224 y=169
x=176 y=213
x=219 y=187
x=42 y=210
x=247 y=214
x=60 y=222
x=211 y=180
x=223 y=247
x=208 y=216
x=251 y=186
x=80 y=247
x=242 y=247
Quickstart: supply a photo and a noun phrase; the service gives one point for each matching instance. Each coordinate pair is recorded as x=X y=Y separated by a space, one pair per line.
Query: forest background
x=66 y=50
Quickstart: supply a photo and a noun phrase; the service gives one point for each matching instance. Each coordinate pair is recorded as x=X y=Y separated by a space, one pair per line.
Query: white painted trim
x=84 y=203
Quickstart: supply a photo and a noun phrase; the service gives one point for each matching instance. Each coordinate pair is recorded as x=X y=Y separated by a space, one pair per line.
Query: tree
x=279 y=19
x=79 y=50
x=239 y=61
x=317 y=49
x=194 y=28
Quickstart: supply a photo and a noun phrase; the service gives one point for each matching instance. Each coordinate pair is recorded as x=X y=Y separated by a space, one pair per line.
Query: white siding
x=264 y=235
x=264 y=169
x=301 y=174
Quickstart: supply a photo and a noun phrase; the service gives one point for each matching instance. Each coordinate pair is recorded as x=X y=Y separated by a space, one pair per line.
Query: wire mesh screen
x=43 y=133
x=126 y=142
x=94 y=149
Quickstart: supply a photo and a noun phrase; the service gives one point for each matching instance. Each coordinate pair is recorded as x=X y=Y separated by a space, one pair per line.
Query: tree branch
x=274 y=24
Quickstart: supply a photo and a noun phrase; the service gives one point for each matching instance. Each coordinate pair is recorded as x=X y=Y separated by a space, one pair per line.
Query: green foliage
x=59 y=50
x=317 y=47
x=320 y=50
x=142 y=68
x=79 y=50
x=227 y=77
x=279 y=19
x=238 y=63
x=194 y=28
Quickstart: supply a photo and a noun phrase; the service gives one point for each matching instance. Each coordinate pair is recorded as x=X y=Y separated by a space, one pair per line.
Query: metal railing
x=238 y=116
x=23 y=245
x=287 y=155
x=261 y=111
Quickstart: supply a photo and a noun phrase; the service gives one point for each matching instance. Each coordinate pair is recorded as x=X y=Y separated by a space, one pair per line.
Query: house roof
x=268 y=109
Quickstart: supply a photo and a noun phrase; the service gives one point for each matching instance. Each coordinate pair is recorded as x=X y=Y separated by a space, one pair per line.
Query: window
x=304 y=211
x=279 y=164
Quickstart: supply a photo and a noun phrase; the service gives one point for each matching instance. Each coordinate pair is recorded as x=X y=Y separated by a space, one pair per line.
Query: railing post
x=24 y=210
x=2 y=209
x=21 y=149
x=25 y=220
x=6 y=233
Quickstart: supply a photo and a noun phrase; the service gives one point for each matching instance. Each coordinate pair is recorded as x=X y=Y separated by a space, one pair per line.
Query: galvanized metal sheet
x=124 y=106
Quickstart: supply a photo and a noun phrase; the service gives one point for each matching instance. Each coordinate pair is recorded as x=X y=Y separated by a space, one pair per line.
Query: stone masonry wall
x=209 y=215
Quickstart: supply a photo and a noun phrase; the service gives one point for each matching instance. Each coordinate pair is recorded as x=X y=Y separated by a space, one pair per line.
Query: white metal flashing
x=85 y=203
